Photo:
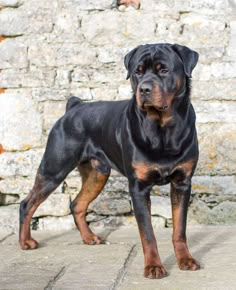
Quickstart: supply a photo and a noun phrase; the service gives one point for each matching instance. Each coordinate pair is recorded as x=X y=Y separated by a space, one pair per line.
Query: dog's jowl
x=151 y=139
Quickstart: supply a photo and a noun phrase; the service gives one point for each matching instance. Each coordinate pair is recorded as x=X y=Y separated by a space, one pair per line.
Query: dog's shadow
x=200 y=243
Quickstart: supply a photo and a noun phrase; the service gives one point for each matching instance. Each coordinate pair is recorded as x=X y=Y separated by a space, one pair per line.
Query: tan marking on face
x=142 y=169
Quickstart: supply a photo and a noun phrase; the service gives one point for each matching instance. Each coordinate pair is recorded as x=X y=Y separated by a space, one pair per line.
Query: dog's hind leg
x=59 y=159
x=93 y=182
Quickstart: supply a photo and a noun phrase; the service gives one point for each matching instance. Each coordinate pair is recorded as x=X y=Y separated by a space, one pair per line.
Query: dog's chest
x=161 y=175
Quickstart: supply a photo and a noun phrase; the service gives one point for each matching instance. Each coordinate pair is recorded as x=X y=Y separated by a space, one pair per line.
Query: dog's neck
x=165 y=131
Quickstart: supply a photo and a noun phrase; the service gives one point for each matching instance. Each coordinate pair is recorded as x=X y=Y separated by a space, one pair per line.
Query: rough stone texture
x=14 y=132
x=51 y=50
x=64 y=262
x=55 y=205
x=111 y=204
x=161 y=206
x=9 y=218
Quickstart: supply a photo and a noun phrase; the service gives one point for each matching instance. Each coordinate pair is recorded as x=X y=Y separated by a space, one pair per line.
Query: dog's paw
x=188 y=264
x=92 y=240
x=29 y=244
x=155 y=272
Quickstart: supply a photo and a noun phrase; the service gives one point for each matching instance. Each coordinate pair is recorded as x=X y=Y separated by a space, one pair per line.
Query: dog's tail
x=72 y=102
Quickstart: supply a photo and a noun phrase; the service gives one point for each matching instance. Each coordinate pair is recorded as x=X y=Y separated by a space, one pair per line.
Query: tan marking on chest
x=188 y=167
x=142 y=169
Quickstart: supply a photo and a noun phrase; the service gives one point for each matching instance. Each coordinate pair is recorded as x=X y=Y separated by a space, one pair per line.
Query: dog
x=151 y=139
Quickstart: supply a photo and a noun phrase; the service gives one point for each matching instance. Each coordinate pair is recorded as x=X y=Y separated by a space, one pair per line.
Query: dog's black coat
x=151 y=139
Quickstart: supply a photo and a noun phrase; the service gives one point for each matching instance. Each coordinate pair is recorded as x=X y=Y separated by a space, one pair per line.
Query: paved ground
x=63 y=262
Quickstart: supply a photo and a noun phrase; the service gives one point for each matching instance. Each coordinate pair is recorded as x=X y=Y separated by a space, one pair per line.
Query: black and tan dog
x=151 y=139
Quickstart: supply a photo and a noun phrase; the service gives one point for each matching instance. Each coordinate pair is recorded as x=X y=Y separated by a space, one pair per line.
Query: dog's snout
x=145 y=89
x=164 y=107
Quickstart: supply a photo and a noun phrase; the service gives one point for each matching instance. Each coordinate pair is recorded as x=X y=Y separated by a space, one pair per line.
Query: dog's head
x=158 y=73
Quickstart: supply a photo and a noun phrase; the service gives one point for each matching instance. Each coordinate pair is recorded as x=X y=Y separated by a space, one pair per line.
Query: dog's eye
x=163 y=71
x=140 y=70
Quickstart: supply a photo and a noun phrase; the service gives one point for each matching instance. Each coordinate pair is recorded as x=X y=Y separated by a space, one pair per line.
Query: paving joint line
x=128 y=261
x=53 y=281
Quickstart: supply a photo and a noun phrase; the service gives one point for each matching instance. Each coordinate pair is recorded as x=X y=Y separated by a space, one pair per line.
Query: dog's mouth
x=147 y=106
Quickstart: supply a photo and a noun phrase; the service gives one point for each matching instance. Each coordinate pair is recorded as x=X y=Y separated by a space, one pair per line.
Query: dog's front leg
x=180 y=194
x=142 y=209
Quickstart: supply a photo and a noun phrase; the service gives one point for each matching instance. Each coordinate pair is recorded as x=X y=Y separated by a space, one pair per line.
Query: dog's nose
x=164 y=107
x=145 y=89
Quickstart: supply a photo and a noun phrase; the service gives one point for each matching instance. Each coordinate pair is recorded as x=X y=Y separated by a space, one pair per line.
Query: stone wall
x=50 y=50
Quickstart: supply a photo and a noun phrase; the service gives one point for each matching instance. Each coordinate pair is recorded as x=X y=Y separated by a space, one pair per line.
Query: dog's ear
x=127 y=60
x=189 y=58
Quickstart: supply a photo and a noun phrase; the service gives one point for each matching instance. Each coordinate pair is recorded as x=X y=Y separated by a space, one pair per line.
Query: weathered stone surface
x=27 y=78
x=25 y=129
x=215 y=111
x=111 y=204
x=9 y=218
x=161 y=206
x=215 y=70
x=214 y=90
x=6 y=199
x=118 y=28
x=16 y=185
x=54 y=205
x=94 y=4
x=217 y=143
x=56 y=223
x=10 y=3
x=52 y=112
x=20 y=163
x=223 y=185
x=13 y=54
x=60 y=55
x=231 y=49
x=225 y=212
x=12 y=22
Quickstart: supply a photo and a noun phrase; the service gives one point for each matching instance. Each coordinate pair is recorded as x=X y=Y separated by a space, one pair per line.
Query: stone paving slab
x=64 y=262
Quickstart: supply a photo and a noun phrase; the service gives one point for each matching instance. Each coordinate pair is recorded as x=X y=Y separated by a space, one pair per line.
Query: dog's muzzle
x=147 y=98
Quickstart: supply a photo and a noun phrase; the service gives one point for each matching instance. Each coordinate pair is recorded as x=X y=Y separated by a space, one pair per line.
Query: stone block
x=25 y=129
x=9 y=218
x=161 y=206
x=125 y=92
x=217 y=145
x=56 y=223
x=118 y=29
x=224 y=213
x=20 y=163
x=10 y=3
x=52 y=112
x=50 y=94
x=16 y=185
x=6 y=199
x=92 y=5
x=53 y=55
x=111 y=204
x=215 y=71
x=103 y=93
x=223 y=185
x=215 y=111
x=214 y=90
x=111 y=54
x=13 y=22
x=84 y=94
x=18 y=78
x=196 y=30
x=54 y=205
x=13 y=54
x=158 y=222
x=203 y=6
x=231 y=48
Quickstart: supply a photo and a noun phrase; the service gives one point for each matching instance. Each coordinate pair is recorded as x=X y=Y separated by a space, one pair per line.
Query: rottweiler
x=151 y=139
